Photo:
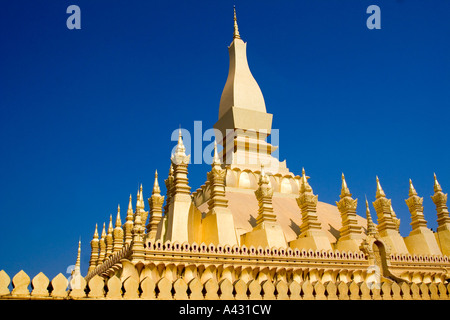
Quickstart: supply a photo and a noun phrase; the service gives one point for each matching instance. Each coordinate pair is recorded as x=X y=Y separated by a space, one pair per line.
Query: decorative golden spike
x=180 y=146
x=380 y=192
x=104 y=231
x=216 y=160
x=130 y=210
x=412 y=191
x=118 y=221
x=371 y=230
x=437 y=186
x=110 y=226
x=155 y=203
x=128 y=226
x=78 y=263
x=96 y=232
x=102 y=243
x=236 y=30
x=94 y=251
x=345 y=192
x=156 y=189
x=109 y=238
x=305 y=185
x=138 y=202
x=141 y=198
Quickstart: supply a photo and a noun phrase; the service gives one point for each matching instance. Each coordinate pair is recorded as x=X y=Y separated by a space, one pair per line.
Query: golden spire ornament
x=236 y=30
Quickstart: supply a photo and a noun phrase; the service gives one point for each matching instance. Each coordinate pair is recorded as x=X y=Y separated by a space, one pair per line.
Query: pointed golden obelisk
x=443 y=219
x=94 y=251
x=311 y=234
x=218 y=224
x=244 y=124
x=182 y=217
x=421 y=240
x=102 y=243
x=155 y=203
x=109 y=238
x=118 y=233
x=128 y=226
x=77 y=283
x=144 y=214
x=267 y=232
x=387 y=225
x=236 y=29
x=137 y=245
x=351 y=234
x=371 y=228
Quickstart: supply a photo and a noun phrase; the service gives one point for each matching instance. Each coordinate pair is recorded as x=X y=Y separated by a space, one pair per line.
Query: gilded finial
x=216 y=160
x=236 y=30
x=156 y=189
x=78 y=262
x=305 y=185
x=412 y=191
x=263 y=178
x=180 y=149
x=345 y=192
x=437 y=186
x=96 y=232
x=141 y=198
x=380 y=192
x=371 y=230
x=118 y=221
x=110 y=226
x=130 y=210
x=104 y=231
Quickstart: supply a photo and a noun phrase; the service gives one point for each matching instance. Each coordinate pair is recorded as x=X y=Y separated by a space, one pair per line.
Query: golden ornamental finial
x=345 y=190
x=130 y=210
x=263 y=177
x=180 y=149
x=371 y=230
x=412 y=191
x=156 y=189
x=118 y=221
x=110 y=226
x=305 y=185
x=437 y=186
x=103 y=231
x=236 y=30
x=78 y=262
x=96 y=232
x=216 y=160
x=380 y=192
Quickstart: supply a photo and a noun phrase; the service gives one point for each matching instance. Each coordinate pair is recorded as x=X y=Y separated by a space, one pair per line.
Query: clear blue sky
x=86 y=115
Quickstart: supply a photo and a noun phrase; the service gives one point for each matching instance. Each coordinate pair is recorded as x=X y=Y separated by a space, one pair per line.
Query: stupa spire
x=128 y=226
x=345 y=192
x=371 y=230
x=109 y=238
x=118 y=233
x=118 y=221
x=94 y=251
x=236 y=29
x=437 y=186
x=380 y=192
x=78 y=262
x=412 y=191
x=102 y=253
x=155 y=203
x=351 y=232
x=156 y=189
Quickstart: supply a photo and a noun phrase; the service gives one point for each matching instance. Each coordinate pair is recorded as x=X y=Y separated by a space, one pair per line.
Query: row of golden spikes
x=380 y=193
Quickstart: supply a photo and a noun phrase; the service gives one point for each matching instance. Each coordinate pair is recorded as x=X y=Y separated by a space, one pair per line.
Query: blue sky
x=87 y=115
